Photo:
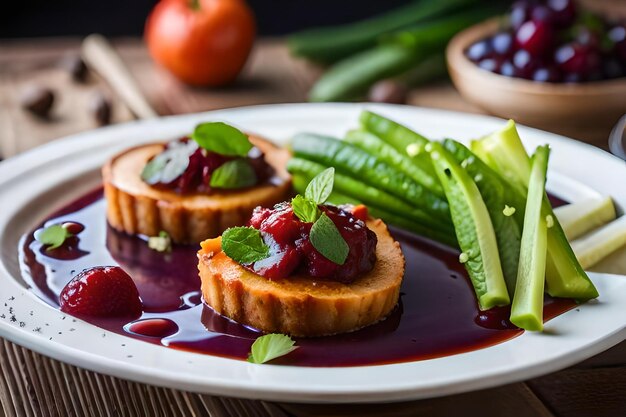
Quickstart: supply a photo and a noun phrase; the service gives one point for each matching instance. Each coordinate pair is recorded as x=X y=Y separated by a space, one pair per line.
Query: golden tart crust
x=135 y=207
x=299 y=305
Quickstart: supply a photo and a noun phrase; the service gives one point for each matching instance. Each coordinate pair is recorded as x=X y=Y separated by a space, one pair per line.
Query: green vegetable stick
x=504 y=152
x=592 y=248
x=474 y=230
x=374 y=145
x=507 y=223
x=352 y=76
x=363 y=192
x=377 y=199
x=404 y=140
x=332 y=43
x=527 y=307
x=300 y=182
x=584 y=216
x=352 y=161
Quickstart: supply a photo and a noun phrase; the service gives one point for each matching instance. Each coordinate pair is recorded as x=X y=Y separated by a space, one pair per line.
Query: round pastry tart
x=194 y=188
x=304 y=268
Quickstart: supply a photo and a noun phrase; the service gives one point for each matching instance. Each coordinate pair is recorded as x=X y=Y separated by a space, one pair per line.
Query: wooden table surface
x=34 y=385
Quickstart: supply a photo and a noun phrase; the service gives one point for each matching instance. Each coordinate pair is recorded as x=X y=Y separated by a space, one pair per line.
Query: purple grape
x=535 y=36
x=541 y=13
x=523 y=63
x=612 y=68
x=578 y=59
x=502 y=43
x=617 y=34
x=480 y=50
x=586 y=36
x=563 y=12
x=489 y=64
x=572 y=78
x=520 y=13
x=507 y=69
x=546 y=75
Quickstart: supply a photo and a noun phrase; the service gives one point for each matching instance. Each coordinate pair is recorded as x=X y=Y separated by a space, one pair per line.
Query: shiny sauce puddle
x=437 y=314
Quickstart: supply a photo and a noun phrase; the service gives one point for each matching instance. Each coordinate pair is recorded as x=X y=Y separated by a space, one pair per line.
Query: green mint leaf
x=234 y=174
x=221 y=138
x=321 y=186
x=169 y=164
x=244 y=245
x=52 y=236
x=327 y=240
x=270 y=346
x=160 y=243
x=305 y=209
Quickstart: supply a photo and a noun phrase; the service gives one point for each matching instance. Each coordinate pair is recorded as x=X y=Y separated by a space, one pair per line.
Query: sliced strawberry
x=103 y=291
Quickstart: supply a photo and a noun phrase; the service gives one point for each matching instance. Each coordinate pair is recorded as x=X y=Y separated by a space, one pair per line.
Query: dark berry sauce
x=437 y=314
x=200 y=165
x=291 y=249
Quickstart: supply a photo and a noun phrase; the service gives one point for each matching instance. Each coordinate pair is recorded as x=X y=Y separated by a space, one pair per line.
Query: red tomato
x=202 y=42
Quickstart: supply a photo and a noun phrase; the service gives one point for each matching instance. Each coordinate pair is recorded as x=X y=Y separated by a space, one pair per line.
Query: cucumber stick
x=352 y=76
x=504 y=152
x=373 y=197
x=374 y=145
x=350 y=160
x=333 y=43
x=527 y=307
x=400 y=137
x=404 y=140
x=507 y=222
x=474 y=230
x=584 y=216
x=300 y=183
x=600 y=243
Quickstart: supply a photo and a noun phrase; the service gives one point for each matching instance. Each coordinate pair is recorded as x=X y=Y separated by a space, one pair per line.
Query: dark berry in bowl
x=520 y=13
x=617 y=35
x=613 y=68
x=535 y=36
x=480 y=50
x=577 y=59
x=524 y=64
x=507 y=69
x=542 y=13
x=490 y=64
x=502 y=43
x=550 y=41
x=546 y=75
x=563 y=12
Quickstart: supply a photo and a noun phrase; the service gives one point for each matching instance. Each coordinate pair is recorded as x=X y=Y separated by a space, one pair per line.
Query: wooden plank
x=515 y=400
x=20 y=130
x=584 y=392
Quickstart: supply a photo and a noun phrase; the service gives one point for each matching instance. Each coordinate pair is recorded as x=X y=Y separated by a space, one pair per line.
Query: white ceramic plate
x=34 y=183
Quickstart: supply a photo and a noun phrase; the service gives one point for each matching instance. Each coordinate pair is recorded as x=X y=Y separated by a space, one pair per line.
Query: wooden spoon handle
x=99 y=54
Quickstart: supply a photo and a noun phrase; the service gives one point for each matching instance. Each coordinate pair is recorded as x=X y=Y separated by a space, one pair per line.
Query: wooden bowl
x=585 y=110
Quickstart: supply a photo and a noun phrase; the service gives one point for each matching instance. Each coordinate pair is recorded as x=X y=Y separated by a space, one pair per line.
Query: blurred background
x=127 y=18
x=554 y=64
